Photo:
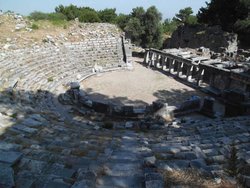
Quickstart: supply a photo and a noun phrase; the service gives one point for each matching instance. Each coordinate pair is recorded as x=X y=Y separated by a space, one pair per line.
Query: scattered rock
x=20 y=26
x=10 y=157
x=150 y=161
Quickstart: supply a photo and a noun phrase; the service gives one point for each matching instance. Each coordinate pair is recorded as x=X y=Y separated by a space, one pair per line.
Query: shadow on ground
x=44 y=145
x=173 y=97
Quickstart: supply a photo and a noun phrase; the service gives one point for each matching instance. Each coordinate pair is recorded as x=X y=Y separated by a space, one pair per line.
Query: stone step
x=124 y=155
x=123 y=169
x=121 y=182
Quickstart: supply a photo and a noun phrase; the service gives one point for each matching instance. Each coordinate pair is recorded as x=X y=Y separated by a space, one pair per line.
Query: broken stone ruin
x=78 y=110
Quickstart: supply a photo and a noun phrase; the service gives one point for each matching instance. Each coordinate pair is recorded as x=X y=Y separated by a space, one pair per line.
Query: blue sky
x=168 y=8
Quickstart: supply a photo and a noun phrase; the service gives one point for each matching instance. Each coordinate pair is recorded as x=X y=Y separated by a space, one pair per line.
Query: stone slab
x=121 y=182
x=25 y=129
x=53 y=184
x=6 y=176
x=123 y=169
x=8 y=146
x=154 y=184
x=10 y=157
x=83 y=184
x=32 y=122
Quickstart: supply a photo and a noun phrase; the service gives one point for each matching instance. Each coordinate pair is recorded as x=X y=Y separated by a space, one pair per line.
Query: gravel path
x=137 y=87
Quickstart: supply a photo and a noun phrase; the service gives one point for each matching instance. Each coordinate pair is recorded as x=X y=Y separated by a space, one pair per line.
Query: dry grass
x=22 y=37
x=192 y=178
x=79 y=152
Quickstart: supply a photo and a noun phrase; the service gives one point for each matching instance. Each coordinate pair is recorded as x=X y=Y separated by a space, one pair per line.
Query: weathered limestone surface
x=43 y=144
x=50 y=66
x=67 y=150
x=119 y=157
x=197 y=36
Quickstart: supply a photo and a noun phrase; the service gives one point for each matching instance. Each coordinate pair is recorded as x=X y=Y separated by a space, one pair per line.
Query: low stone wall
x=75 y=96
x=210 y=75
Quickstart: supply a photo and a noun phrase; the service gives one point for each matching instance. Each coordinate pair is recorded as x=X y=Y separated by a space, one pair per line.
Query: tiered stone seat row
x=205 y=145
x=38 y=68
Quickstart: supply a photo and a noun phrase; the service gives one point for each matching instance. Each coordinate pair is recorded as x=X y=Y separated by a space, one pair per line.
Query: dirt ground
x=137 y=87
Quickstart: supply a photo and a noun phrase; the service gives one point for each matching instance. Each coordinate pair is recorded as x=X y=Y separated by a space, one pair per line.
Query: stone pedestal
x=171 y=66
x=189 y=74
x=164 y=67
x=180 y=68
x=208 y=107
x=146 y=57
x=200 y=78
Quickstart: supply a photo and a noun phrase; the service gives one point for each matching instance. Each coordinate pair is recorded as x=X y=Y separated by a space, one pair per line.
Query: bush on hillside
x=107 y=15
x=38 y=16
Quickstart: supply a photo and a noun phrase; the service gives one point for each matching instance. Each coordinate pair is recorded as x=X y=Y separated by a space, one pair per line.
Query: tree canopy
x=231 y=15
x=185 y=16
x=108 y=15
x=225 y=13
x=144 y=27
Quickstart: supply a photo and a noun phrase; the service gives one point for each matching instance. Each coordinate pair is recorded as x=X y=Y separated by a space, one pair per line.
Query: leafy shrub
x=122 y=20
x=232 y=161
x=169 y=26
x=34 y=26
x=243 y=25
x=50 y=79
x=56 y=16
x=108 y=15
x=38 y=16
x=85 y=14
x=89 y=16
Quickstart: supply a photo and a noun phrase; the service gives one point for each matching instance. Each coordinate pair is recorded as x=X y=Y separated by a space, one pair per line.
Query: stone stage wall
x=223 y=79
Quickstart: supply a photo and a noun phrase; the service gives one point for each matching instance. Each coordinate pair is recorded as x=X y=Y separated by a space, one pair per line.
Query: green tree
x=134 y=30
x=169 y=26
x=135 y=26
x=122 y=20
x=71 y=11
x=185 y=16
x=153 y=28
x=231 y=15
x=224 y=13
x=85 y=14
x=108 y=15
x=139 y=13
x=89 y=16
x=144 y=27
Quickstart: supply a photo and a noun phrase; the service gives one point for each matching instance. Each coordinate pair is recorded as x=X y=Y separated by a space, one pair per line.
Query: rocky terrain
x=43 y=147
x=16 y=32
x=46 y=144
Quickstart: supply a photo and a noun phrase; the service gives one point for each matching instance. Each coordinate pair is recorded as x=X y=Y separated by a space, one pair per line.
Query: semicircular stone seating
x=109 y=158
x=49 y=67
